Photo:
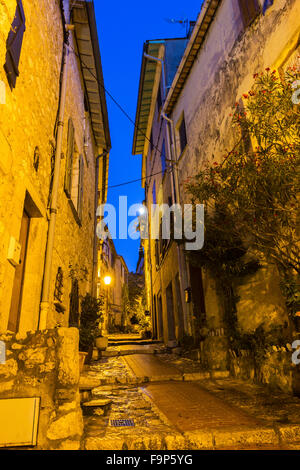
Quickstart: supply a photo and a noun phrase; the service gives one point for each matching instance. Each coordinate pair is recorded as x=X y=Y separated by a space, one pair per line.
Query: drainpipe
x=44 y=306
x=95 y=253
x=162 y=64
x=183 y=272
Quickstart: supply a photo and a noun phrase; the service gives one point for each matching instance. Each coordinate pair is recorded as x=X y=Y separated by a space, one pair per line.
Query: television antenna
x=183 y=22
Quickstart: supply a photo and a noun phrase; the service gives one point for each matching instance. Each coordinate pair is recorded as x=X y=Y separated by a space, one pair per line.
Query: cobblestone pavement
x=207 y=413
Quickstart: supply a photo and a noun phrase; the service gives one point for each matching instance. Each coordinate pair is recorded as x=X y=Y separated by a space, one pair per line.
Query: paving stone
x=195 y=412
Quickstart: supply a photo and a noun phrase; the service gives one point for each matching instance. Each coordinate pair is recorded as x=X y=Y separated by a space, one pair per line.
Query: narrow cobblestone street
x=170 y=403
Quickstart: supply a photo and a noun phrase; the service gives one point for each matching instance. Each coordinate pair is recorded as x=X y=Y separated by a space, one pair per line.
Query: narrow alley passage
x=172 y=404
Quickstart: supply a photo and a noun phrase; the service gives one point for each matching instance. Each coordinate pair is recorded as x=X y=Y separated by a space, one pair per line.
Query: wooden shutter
x=80 y=187
x=249 y=9
x=154 y=193
x=14 y=45
x=69 y=158
x=182 y=135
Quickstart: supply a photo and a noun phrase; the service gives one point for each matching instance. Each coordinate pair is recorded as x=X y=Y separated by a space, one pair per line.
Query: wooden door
x=154 y=319
x=16 y=299
x=160 y=319
x=170 y=313
x=197 y=292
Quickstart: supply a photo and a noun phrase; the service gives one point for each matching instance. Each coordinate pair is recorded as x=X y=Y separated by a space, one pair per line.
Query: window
x=159 y=98
x=163 y=158
x=74 y=174
x=14 y=45
x=182 y=135
x=249 y=10
x=69 y=158
x=154 y=193
x=80 y=187
x=151 y=141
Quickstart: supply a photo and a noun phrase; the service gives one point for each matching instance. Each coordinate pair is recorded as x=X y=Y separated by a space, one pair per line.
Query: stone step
x=93 y=406
x=145 y=342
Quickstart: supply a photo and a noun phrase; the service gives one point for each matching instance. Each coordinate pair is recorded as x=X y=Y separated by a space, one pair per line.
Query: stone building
x=54 y=146
x=186 y=121
x=53 y=133
x=113 y=266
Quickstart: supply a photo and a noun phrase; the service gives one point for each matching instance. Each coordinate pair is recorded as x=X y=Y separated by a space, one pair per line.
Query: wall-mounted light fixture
x=188 y=295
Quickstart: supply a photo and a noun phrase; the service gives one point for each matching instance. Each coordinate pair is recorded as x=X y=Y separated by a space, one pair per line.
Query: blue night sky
x=122 y=28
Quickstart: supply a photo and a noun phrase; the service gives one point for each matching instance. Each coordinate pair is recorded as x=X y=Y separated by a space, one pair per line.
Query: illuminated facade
x=184 y=123
x=53 y=132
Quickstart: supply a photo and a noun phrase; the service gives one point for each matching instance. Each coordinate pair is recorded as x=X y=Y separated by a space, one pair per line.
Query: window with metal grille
x=249 y=10
x=182 y=135
x=69 y=158
x=14 y=45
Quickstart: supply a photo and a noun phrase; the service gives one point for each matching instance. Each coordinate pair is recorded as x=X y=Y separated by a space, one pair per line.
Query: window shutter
x=80 y=187
x=182 y=135
x=14 y=45
x=154 y=193
x=249 y=9
x=69 y=158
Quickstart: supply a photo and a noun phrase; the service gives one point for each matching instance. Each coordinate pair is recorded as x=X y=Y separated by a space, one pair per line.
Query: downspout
x=44 y=306
x=183 y=272
x=162 y=64
x=95 y=252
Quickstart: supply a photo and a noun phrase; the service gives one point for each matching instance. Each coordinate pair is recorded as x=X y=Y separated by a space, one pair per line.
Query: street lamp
x=107 y=280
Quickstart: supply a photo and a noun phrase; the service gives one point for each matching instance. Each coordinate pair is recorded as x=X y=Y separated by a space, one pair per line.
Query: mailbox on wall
x=19 y=421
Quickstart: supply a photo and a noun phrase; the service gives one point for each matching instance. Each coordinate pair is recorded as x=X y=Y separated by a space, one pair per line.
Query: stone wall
x=28 y=120
x=222 y=72
x=45 y=364
x=274 y=368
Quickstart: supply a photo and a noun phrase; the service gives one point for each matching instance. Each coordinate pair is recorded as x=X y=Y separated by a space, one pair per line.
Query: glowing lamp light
x=142 y=210
x=107 y=280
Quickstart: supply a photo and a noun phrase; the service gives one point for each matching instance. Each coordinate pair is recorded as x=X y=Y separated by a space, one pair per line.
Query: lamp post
x=107 y=282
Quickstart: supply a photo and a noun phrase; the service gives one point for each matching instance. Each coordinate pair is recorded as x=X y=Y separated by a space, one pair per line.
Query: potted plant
x=90 y=318
x=297 y=321
x=101 y=342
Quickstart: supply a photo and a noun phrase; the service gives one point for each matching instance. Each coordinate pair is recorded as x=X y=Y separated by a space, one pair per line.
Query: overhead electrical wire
x=129 y=118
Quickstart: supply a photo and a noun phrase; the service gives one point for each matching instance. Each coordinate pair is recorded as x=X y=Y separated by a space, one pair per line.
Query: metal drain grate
x=122 y=422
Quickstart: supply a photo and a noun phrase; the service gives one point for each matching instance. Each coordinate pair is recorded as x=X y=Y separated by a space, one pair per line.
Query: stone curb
x=199 y=440
x=188 y=377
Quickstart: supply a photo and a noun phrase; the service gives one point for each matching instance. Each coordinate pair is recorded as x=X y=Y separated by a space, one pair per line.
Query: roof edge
x=201 y=25
x=90 y=8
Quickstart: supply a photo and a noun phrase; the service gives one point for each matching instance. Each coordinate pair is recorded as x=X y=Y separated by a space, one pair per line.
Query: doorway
x=198 y=293
x=170 y=313
x=154 y=319
x=16 y=299
x=160 y=320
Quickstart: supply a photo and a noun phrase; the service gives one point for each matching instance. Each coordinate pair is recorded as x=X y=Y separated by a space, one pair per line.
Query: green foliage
x=258 y=342
x=91 y=318
x=291 y=290
x=134 y=302
x=251 y=197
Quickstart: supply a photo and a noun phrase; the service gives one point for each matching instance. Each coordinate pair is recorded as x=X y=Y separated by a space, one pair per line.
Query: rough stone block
x=66 y=426
x=198 y=440
x=68 y=355
x=290 y=433
x=9 y=369
x=70 y=445
x=245 y=437
x=6 y=386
